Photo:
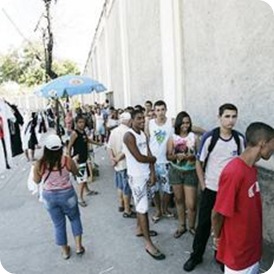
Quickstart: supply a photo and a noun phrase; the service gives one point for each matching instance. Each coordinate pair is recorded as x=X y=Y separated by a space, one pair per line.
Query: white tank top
x=135 y=168
x=159 y=136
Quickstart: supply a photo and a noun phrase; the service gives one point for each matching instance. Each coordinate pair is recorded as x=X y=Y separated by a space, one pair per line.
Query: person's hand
x=203 y=186
x=76 y=158
x=181 y=156
x=113 y=162
x=216 y=243
x=152 y=159
x=152 y=179
x=190 y=157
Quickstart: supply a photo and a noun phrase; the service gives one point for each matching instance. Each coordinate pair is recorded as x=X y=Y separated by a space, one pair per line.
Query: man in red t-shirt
x=237 y=214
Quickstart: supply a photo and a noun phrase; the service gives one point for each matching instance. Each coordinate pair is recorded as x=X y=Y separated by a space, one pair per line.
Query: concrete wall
x=196 y=55
x=143 y=32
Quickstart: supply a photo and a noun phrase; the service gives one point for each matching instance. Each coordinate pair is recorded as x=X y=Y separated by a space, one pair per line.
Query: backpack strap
x=236 y=137
x=213 y=141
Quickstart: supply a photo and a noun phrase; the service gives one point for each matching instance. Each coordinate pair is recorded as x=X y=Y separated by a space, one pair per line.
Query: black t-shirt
x=80 y=146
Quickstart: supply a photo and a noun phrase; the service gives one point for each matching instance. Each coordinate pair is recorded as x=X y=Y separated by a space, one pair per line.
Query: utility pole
x=48 y=46
x=48 y=37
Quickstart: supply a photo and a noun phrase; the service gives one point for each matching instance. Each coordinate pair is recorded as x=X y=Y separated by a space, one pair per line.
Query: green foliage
x=26 y=66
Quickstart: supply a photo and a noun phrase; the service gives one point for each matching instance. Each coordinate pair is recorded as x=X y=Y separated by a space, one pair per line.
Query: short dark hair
x=159 y=103
x=148 y=102
x=227 y=106
x=129 y=109
x=178 y=122
x=258 y=131
x=79 y=117
x=139 y=107
x=135 y=112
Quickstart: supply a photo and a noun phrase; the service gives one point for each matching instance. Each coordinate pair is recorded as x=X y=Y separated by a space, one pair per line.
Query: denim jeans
x=59 y=204
x=121 y=181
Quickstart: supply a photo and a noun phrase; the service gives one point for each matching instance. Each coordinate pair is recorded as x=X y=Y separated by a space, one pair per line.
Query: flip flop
x=178 y=233
x=157 y=256
x=92 y=192
x=152 y=233
x=132 y=214
x=192 y=231
x=81 y=252
x=82 y=203
x=66 y=256
x=155 y=219
x=168 y=215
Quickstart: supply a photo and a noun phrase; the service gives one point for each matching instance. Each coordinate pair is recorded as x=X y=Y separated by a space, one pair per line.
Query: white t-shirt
x=135 y=168
x=159 y=135
x=115 y=143
x=222 y=153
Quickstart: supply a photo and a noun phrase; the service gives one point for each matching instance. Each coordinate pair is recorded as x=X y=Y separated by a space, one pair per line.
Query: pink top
x=57 y=181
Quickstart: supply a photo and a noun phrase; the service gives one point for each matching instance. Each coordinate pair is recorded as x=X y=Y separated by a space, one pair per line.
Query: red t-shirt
x=239 y=201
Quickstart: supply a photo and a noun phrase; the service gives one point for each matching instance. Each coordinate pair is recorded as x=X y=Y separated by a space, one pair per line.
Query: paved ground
x=27 y=244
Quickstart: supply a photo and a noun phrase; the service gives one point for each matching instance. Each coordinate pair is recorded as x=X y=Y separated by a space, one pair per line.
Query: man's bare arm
x=130 y=142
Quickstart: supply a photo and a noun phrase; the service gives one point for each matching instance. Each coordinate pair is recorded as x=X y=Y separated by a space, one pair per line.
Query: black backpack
x=214 y=139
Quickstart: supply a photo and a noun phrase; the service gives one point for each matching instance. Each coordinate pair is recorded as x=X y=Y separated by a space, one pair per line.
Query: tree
x=26 y=66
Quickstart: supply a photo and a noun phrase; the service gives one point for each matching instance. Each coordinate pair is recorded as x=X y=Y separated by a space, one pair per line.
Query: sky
x=73 y=25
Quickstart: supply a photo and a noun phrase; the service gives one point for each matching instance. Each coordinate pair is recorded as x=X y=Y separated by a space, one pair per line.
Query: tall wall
x=196 y=55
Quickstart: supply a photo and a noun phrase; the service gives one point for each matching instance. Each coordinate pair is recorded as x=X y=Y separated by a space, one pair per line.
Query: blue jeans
x=59 y=204
x=121 y=181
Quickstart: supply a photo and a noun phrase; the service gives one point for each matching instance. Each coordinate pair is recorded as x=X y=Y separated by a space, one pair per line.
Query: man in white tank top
x=140 y=168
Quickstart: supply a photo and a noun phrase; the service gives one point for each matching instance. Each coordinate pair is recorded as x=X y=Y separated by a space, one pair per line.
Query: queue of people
x=159 y=160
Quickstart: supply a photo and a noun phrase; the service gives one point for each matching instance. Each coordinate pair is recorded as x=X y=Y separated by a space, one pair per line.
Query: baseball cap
x=53 y=142
x=125 y=116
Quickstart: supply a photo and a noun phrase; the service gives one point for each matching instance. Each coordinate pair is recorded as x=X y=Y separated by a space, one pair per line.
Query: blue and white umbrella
x=69 y=85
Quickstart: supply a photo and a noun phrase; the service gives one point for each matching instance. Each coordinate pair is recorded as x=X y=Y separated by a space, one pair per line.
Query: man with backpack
x=217 y=148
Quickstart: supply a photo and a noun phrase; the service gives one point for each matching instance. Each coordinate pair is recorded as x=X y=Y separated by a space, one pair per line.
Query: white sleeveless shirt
x=135 y=168
x=159 y=135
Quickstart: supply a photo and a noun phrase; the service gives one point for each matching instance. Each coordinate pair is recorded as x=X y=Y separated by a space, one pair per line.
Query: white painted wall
x=196 y=55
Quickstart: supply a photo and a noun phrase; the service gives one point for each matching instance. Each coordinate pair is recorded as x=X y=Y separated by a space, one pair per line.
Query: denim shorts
x=59 y=204
x=162 y=183
x=121 y=182
x=187 y=178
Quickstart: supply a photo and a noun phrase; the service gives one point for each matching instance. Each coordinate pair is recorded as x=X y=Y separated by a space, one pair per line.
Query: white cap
x=53 y=142
x=125 y=116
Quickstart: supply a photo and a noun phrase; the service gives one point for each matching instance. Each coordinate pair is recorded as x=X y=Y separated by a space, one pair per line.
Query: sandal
x=192 y=231
x=66 y=255
x=132 y=214
x=168 y=215
x=157 y=256
x=179 y=232
x=92 y=192
x=82 y=203
x=155 y=219
x=152 y=233
x=81 y=252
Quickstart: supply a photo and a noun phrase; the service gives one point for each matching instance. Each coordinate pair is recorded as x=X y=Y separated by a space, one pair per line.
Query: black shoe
x=191 y=263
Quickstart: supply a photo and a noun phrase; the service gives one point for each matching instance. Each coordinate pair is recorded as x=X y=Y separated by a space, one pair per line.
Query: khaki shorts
x=187 y=178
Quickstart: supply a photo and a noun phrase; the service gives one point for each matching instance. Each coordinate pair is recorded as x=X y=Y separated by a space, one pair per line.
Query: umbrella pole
x=57 y=117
